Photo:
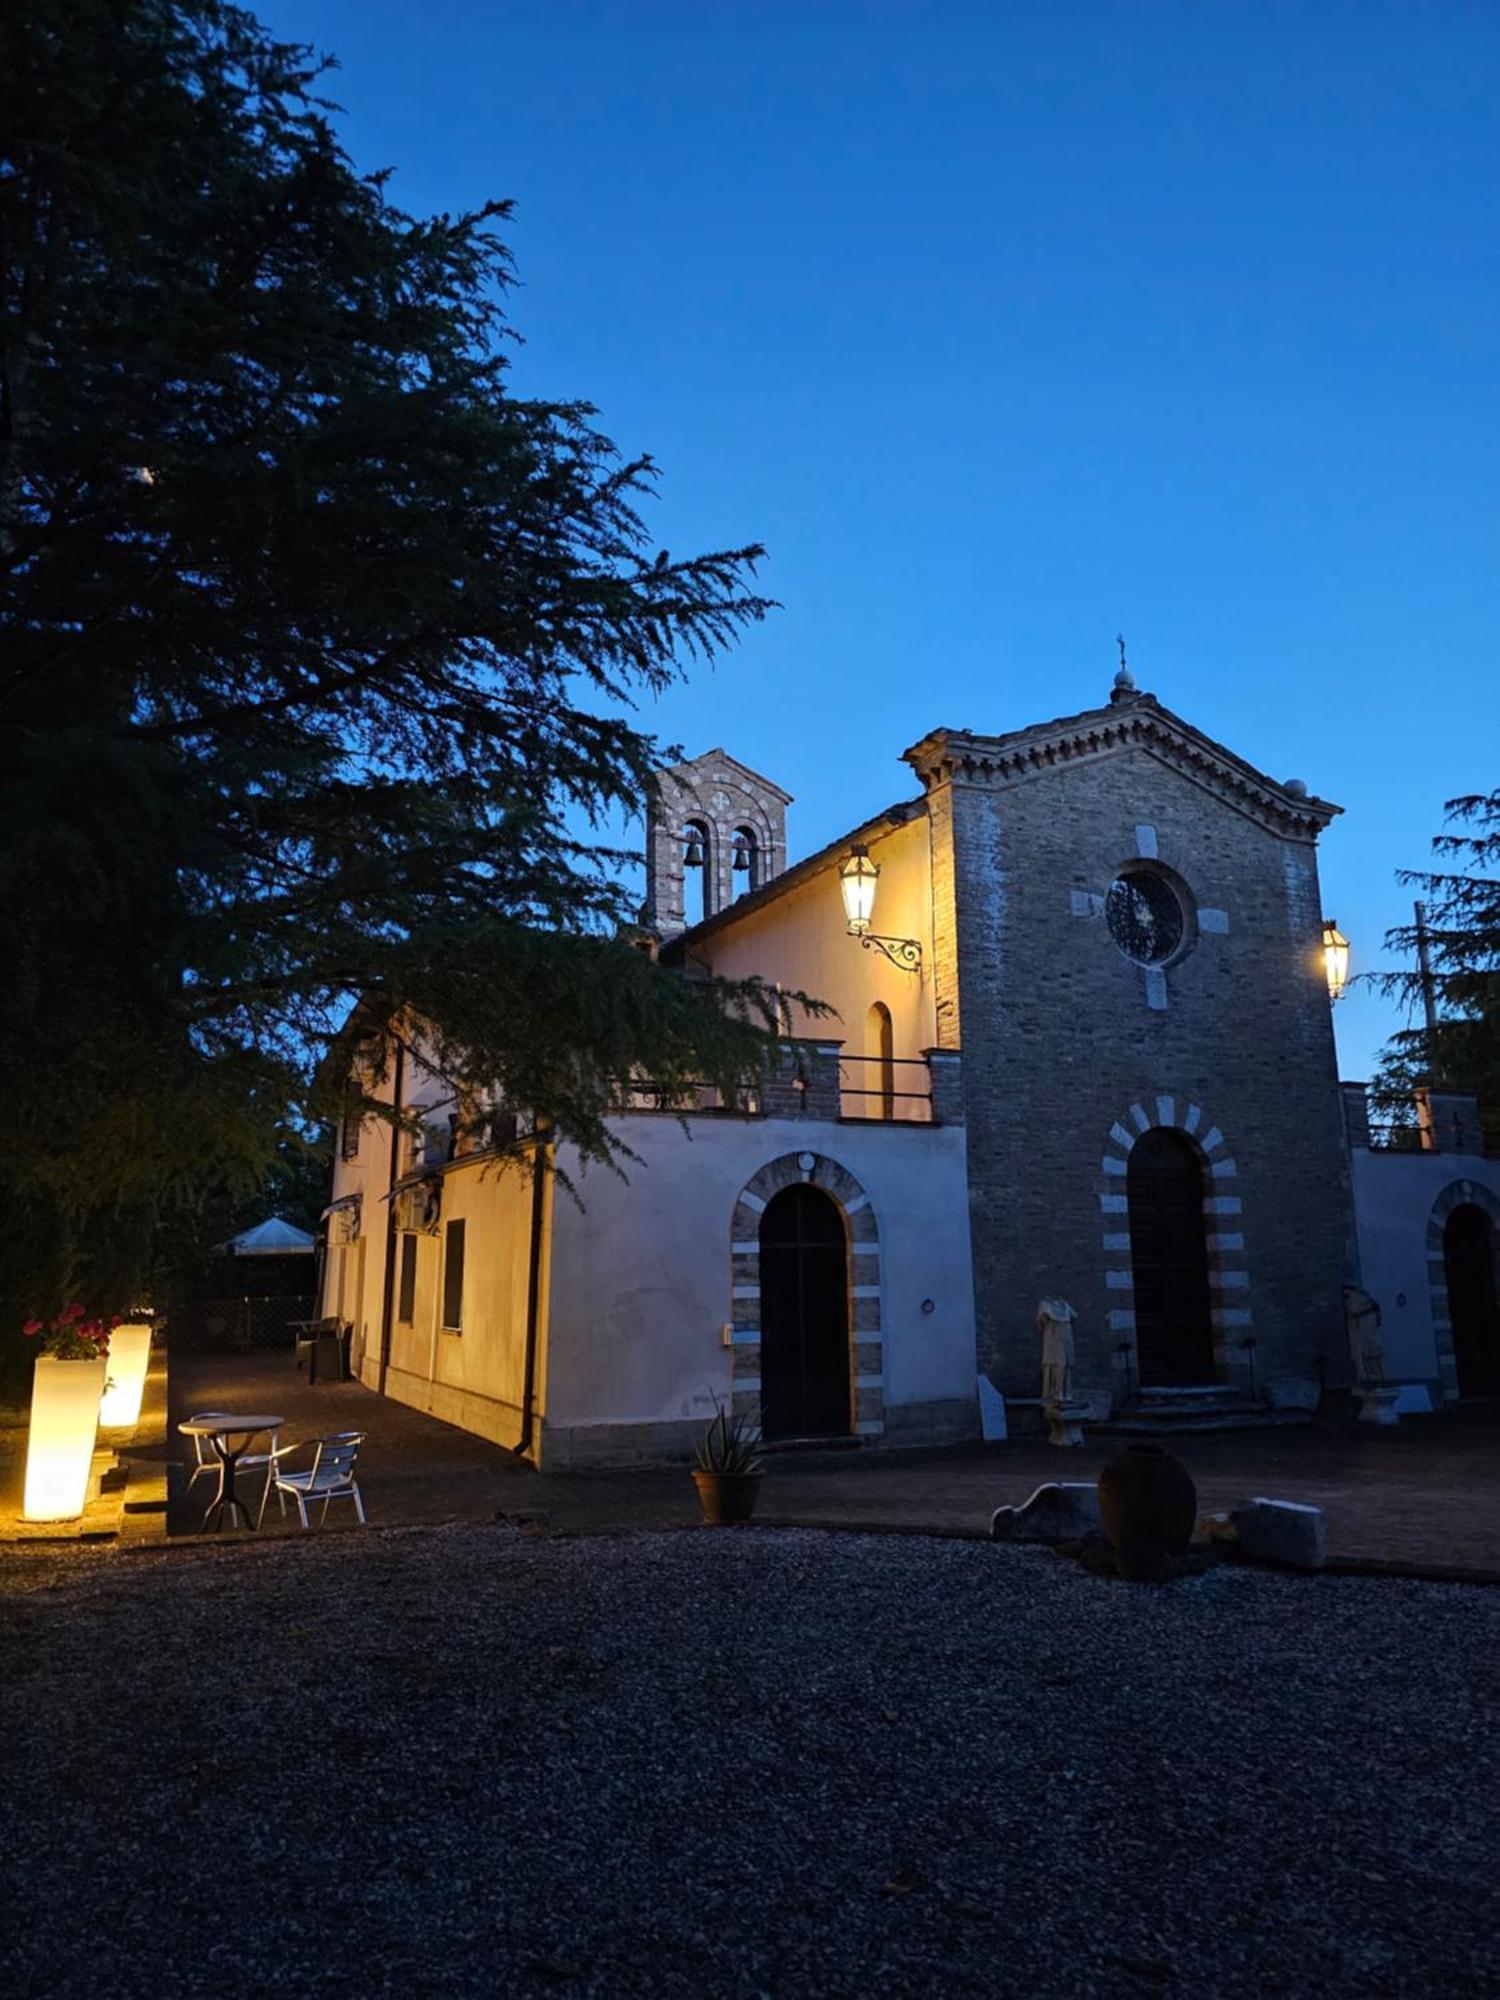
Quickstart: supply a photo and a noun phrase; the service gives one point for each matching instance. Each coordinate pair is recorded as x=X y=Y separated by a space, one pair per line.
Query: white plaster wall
x=641 y=1276
x=1393 y=1198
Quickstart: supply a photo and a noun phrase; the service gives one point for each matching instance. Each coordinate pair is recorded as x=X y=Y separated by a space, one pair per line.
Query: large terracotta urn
x=60 y=1444
x=1148 y=1506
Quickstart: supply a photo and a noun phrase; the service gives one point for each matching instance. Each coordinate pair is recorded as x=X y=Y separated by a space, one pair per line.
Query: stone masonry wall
x=1069 y=1049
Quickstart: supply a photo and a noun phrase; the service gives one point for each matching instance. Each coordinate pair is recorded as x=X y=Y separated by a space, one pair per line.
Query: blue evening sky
x=1009 y=327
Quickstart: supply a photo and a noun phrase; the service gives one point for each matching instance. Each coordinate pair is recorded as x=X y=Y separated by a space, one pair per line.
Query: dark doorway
x=1169 y=1256
x=1469 y=1267
x=804 y=1316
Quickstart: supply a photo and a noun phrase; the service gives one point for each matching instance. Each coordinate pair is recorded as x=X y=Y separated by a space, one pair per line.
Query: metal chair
x=206 y=1459
x=330 y=1477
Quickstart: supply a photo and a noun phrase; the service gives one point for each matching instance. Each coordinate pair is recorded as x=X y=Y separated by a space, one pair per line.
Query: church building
x=1080 y=1048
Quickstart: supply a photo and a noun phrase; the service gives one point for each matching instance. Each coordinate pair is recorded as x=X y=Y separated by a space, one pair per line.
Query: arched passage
x=1469 y=1272
x=1174 y=1328
x=804 y=1315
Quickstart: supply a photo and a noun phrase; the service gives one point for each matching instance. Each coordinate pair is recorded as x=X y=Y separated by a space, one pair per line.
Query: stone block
x=1413 y=1399
x=1061 y=1511
x=1293 y=1392
x=1282 y=1531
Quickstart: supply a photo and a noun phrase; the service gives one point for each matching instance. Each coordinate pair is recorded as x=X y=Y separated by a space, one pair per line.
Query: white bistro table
x=229 y=1437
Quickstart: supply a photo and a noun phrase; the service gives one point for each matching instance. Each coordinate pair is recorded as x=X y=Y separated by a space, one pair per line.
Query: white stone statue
x=1377 y=1397
x=1362 y=1326
x=1054 y=1318
x=1065 y=1411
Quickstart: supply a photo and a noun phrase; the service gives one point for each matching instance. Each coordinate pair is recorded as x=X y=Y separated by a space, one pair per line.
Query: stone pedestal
x=1377 y=1403
x=1065 y=1419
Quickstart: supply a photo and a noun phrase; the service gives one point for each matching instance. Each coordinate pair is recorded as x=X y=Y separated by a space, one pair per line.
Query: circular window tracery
x=1145 y=916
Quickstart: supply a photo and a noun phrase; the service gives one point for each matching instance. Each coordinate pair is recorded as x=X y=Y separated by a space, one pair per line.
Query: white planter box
x=129 y=1357
x=60 y=1445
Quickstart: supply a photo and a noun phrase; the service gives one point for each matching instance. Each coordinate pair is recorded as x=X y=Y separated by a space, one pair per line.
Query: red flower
x=32 y=1328
x=70 y=1313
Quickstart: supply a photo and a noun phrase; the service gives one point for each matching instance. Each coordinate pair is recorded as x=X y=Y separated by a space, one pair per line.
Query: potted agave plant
x=727 y=1469
x=70 y=1380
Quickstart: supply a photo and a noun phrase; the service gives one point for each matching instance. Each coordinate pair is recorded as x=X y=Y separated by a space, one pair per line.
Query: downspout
x=540 y=1175
x=388 y=1298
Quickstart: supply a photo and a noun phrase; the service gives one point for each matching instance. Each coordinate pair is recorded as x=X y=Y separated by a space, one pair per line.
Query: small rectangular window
x=406 y=1298
x=453 y=1278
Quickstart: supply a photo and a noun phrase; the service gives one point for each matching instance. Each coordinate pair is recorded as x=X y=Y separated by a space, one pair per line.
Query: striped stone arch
x=866 y=1325
x=1228 y=1276
x=1455 y=1195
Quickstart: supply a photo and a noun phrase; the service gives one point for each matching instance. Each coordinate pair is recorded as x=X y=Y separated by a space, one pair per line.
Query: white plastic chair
x=329 y=1478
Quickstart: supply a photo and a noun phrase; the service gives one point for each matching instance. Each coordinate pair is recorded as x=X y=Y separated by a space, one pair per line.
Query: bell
x=741 y=858
x=693 y=858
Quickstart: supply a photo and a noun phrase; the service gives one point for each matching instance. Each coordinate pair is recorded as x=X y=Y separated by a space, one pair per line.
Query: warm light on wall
x=129 y=1358
x=857 y=879
x=60 y=1445
x=1335 y=958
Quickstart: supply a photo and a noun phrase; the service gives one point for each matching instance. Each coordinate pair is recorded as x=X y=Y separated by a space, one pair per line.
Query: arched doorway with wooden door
x=805 y=1387
x=1473 y=1308
x=1169 y=1257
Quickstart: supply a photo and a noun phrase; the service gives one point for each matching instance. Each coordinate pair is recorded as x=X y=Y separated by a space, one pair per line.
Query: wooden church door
x=1469 y=1268
x=804 y=1316
x=1169 y=1257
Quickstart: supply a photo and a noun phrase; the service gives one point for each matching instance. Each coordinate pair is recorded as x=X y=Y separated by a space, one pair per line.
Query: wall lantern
x=1335 y=958
x=857 y=879
x=129 y=1358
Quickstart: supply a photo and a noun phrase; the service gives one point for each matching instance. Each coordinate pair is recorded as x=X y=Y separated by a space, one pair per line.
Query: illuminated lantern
x=857 y=879
x=129 y=1358
x=60 y=1445
x=1335 y=958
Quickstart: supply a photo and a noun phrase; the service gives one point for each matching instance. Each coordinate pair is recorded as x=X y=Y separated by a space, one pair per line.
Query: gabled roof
x=762 y=783
x=1130 y=721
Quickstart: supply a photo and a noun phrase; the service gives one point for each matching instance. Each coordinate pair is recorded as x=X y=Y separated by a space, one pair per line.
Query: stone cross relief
x=1211 y=923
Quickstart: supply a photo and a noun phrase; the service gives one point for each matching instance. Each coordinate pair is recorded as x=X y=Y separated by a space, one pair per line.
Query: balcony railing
x=817 y=1080
x=894 y=1088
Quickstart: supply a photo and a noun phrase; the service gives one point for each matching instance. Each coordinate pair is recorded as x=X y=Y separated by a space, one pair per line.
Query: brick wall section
x=804 y=1083
x=945 y=1071
x=1059 y=1036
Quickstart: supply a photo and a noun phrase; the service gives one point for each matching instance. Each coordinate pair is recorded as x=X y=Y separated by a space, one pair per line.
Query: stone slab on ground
x=1061 y=1511
x=1281 y=1531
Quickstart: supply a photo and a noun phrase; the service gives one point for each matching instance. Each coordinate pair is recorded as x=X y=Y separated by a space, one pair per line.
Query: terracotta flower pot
x=726 y=1496
x=60 y=1443
x=1148 y=1506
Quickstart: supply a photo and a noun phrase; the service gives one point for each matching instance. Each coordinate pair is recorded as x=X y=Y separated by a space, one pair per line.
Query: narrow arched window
x=697 y=872
x=880 y=1049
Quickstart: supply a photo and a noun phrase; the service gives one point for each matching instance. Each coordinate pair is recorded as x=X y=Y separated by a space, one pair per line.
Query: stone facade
x=1071 y=1049
x=724 y=807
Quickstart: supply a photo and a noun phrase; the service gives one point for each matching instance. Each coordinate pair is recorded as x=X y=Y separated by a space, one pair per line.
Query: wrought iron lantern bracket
x=904 y=953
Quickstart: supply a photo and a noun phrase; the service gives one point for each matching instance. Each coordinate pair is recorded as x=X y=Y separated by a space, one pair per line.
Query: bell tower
x=715 y=831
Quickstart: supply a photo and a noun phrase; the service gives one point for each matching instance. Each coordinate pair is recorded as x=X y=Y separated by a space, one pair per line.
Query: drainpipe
x=540 y=1177
x=388 y=1295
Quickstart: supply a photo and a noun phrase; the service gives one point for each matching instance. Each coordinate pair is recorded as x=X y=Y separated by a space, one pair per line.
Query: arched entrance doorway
x=1469 y=1269
x=1174 y=1330
x=804 y=1315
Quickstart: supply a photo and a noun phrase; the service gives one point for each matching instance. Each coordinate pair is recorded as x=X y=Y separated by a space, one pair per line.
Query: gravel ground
x=467 y=1760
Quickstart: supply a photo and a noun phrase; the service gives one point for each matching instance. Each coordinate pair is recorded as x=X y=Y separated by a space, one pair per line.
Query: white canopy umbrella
x=273 y=1238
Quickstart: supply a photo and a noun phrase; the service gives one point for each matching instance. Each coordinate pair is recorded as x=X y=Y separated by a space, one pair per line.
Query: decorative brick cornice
x=1139 y=723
